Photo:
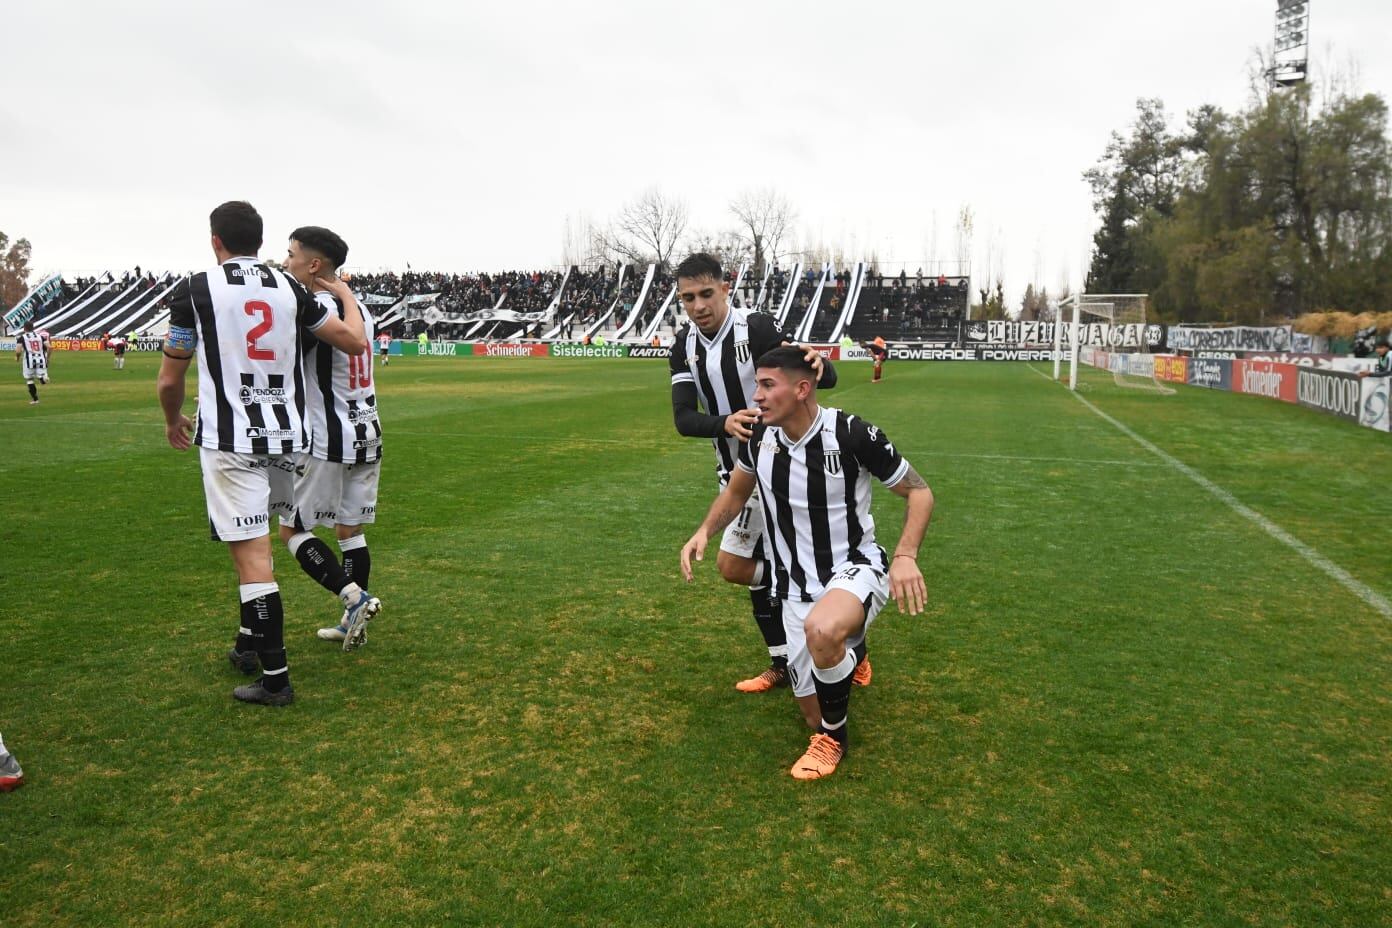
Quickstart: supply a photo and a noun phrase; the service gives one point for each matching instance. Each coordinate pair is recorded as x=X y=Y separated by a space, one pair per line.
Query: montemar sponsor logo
x=1341 y=396
x=648 y=351
x=255 y=432
x=249 y=395
x=574 y=350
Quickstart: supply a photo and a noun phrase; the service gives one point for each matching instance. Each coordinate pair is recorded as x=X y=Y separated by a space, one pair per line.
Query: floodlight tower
x=1291 y=58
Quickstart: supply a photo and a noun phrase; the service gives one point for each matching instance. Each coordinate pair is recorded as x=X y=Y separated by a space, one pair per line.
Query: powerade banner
x=1231 y=338
x=1100 y=334
x=900 y=352
x=1209 y=372
x=1263 y=378
x=580 y=350
x=1335 y=392
x=24 y=310
x=1374 y=413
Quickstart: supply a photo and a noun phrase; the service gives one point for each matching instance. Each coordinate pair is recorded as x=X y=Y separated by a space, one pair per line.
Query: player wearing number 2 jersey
x=336 y=482
x=245 y=320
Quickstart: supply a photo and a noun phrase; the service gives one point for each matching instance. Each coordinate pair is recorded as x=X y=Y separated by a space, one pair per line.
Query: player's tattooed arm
x=723 y=511
x=906 y=584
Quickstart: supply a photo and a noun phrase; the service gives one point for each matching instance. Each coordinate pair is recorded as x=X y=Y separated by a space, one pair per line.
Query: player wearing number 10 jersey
x=336 y=482
x=245 y=321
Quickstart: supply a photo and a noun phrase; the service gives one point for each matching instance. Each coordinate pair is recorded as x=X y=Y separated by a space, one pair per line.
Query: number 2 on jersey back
x=254 y=351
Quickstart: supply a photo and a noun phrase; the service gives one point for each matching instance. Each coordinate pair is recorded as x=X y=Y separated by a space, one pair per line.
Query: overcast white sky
x=459 y=136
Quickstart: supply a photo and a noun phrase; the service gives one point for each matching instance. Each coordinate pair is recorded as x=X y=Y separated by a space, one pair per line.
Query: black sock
x=357 y=563
x=860 y=652
x=264 y=616
x=768 y=615
x=33 y=390
x=834 y=696
x=317 y=560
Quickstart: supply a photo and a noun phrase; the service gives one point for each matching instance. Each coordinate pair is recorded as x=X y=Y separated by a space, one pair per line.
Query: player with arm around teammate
x=812 y=465
x=336 y=480
x=712 y=363
x=244 y=321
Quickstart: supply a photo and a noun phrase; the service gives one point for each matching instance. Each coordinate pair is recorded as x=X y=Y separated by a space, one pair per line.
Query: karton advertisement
x=1265 y=378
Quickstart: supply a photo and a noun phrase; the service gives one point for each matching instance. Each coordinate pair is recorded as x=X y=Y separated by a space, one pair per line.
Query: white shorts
x=328 y=493
x=36 y=373
x=743 y=536
x=865 y=583
x=243 y=491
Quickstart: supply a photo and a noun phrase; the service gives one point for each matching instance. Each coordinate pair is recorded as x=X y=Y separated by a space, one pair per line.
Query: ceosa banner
x=1265 y=378
x=24 y=310
x=1231 y=338
x=1100 y=334
x=1338 y=393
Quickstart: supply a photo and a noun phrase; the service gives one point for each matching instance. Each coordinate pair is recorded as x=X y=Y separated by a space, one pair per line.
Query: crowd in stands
x=916 y=304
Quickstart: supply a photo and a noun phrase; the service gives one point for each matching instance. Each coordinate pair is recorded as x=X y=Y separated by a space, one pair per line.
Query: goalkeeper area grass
x=1126 y=704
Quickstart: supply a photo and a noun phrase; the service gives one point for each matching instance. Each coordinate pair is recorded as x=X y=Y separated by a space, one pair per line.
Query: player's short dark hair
x=700 y=265
x=327 y=243
x=1382 y=343
x=238 y=224
x=28 y=325
x=787 y=358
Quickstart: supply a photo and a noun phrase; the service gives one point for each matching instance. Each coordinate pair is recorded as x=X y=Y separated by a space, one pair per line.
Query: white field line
x=1311 y=556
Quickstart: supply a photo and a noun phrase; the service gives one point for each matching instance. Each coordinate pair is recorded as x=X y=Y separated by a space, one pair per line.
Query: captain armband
x=181 y=338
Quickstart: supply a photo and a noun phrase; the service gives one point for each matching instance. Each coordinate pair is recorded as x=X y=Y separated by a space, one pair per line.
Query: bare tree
x=765 y=217
x=966 y=230
x=646 y=229
x=727 y=245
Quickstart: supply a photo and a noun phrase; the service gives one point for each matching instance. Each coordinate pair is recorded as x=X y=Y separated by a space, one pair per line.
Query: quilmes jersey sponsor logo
x=1338 y=395
x=251 y=395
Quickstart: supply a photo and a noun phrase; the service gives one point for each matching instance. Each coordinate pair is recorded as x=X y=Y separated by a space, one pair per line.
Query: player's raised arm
x=723 y=511
x=346 y=334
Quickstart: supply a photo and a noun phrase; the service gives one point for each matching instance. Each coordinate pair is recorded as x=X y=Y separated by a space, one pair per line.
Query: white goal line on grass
x=1343 y=577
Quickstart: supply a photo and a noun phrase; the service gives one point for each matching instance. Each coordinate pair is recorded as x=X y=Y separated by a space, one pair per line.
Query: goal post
x=1117 y=323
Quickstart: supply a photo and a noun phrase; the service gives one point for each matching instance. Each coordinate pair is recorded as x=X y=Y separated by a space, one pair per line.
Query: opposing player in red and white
x=245 y=320
x=336 y=482
x=31 y=351
x=384 y=346
x=117 y=344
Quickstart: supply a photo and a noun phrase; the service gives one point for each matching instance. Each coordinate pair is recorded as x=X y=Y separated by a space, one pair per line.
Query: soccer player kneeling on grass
x=812 y=466
x=336 y=481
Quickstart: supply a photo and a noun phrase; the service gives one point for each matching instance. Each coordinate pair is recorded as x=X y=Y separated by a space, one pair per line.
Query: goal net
x=1117 y=324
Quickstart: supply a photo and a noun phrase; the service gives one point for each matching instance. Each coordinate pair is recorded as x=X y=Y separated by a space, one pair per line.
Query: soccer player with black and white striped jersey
x=336 y=482
x=812 y=466
x=245 y=320
x=31 y=351
x=712 y=362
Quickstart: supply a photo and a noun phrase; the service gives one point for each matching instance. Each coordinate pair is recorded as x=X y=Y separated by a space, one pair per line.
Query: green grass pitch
x=1124 y=706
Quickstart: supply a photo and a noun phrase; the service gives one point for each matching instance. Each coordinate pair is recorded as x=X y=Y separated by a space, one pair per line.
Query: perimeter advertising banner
x=510 y=350
x=1231 y=338
x=75 y=344
x=574 y=350
x=901 y=352
x=1374 y=412
x=650 y=351
x=1264 y=378
x=1336 y=392
x=1209 y=372
x=1172 y=368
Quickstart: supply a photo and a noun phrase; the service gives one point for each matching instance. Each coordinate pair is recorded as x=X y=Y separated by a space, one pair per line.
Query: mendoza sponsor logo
x=508 y=350
x=1334 y=392
x=577 y=350
x=1212 y=373
x=648 y=351
x=249 y=395
x=1264 y=378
